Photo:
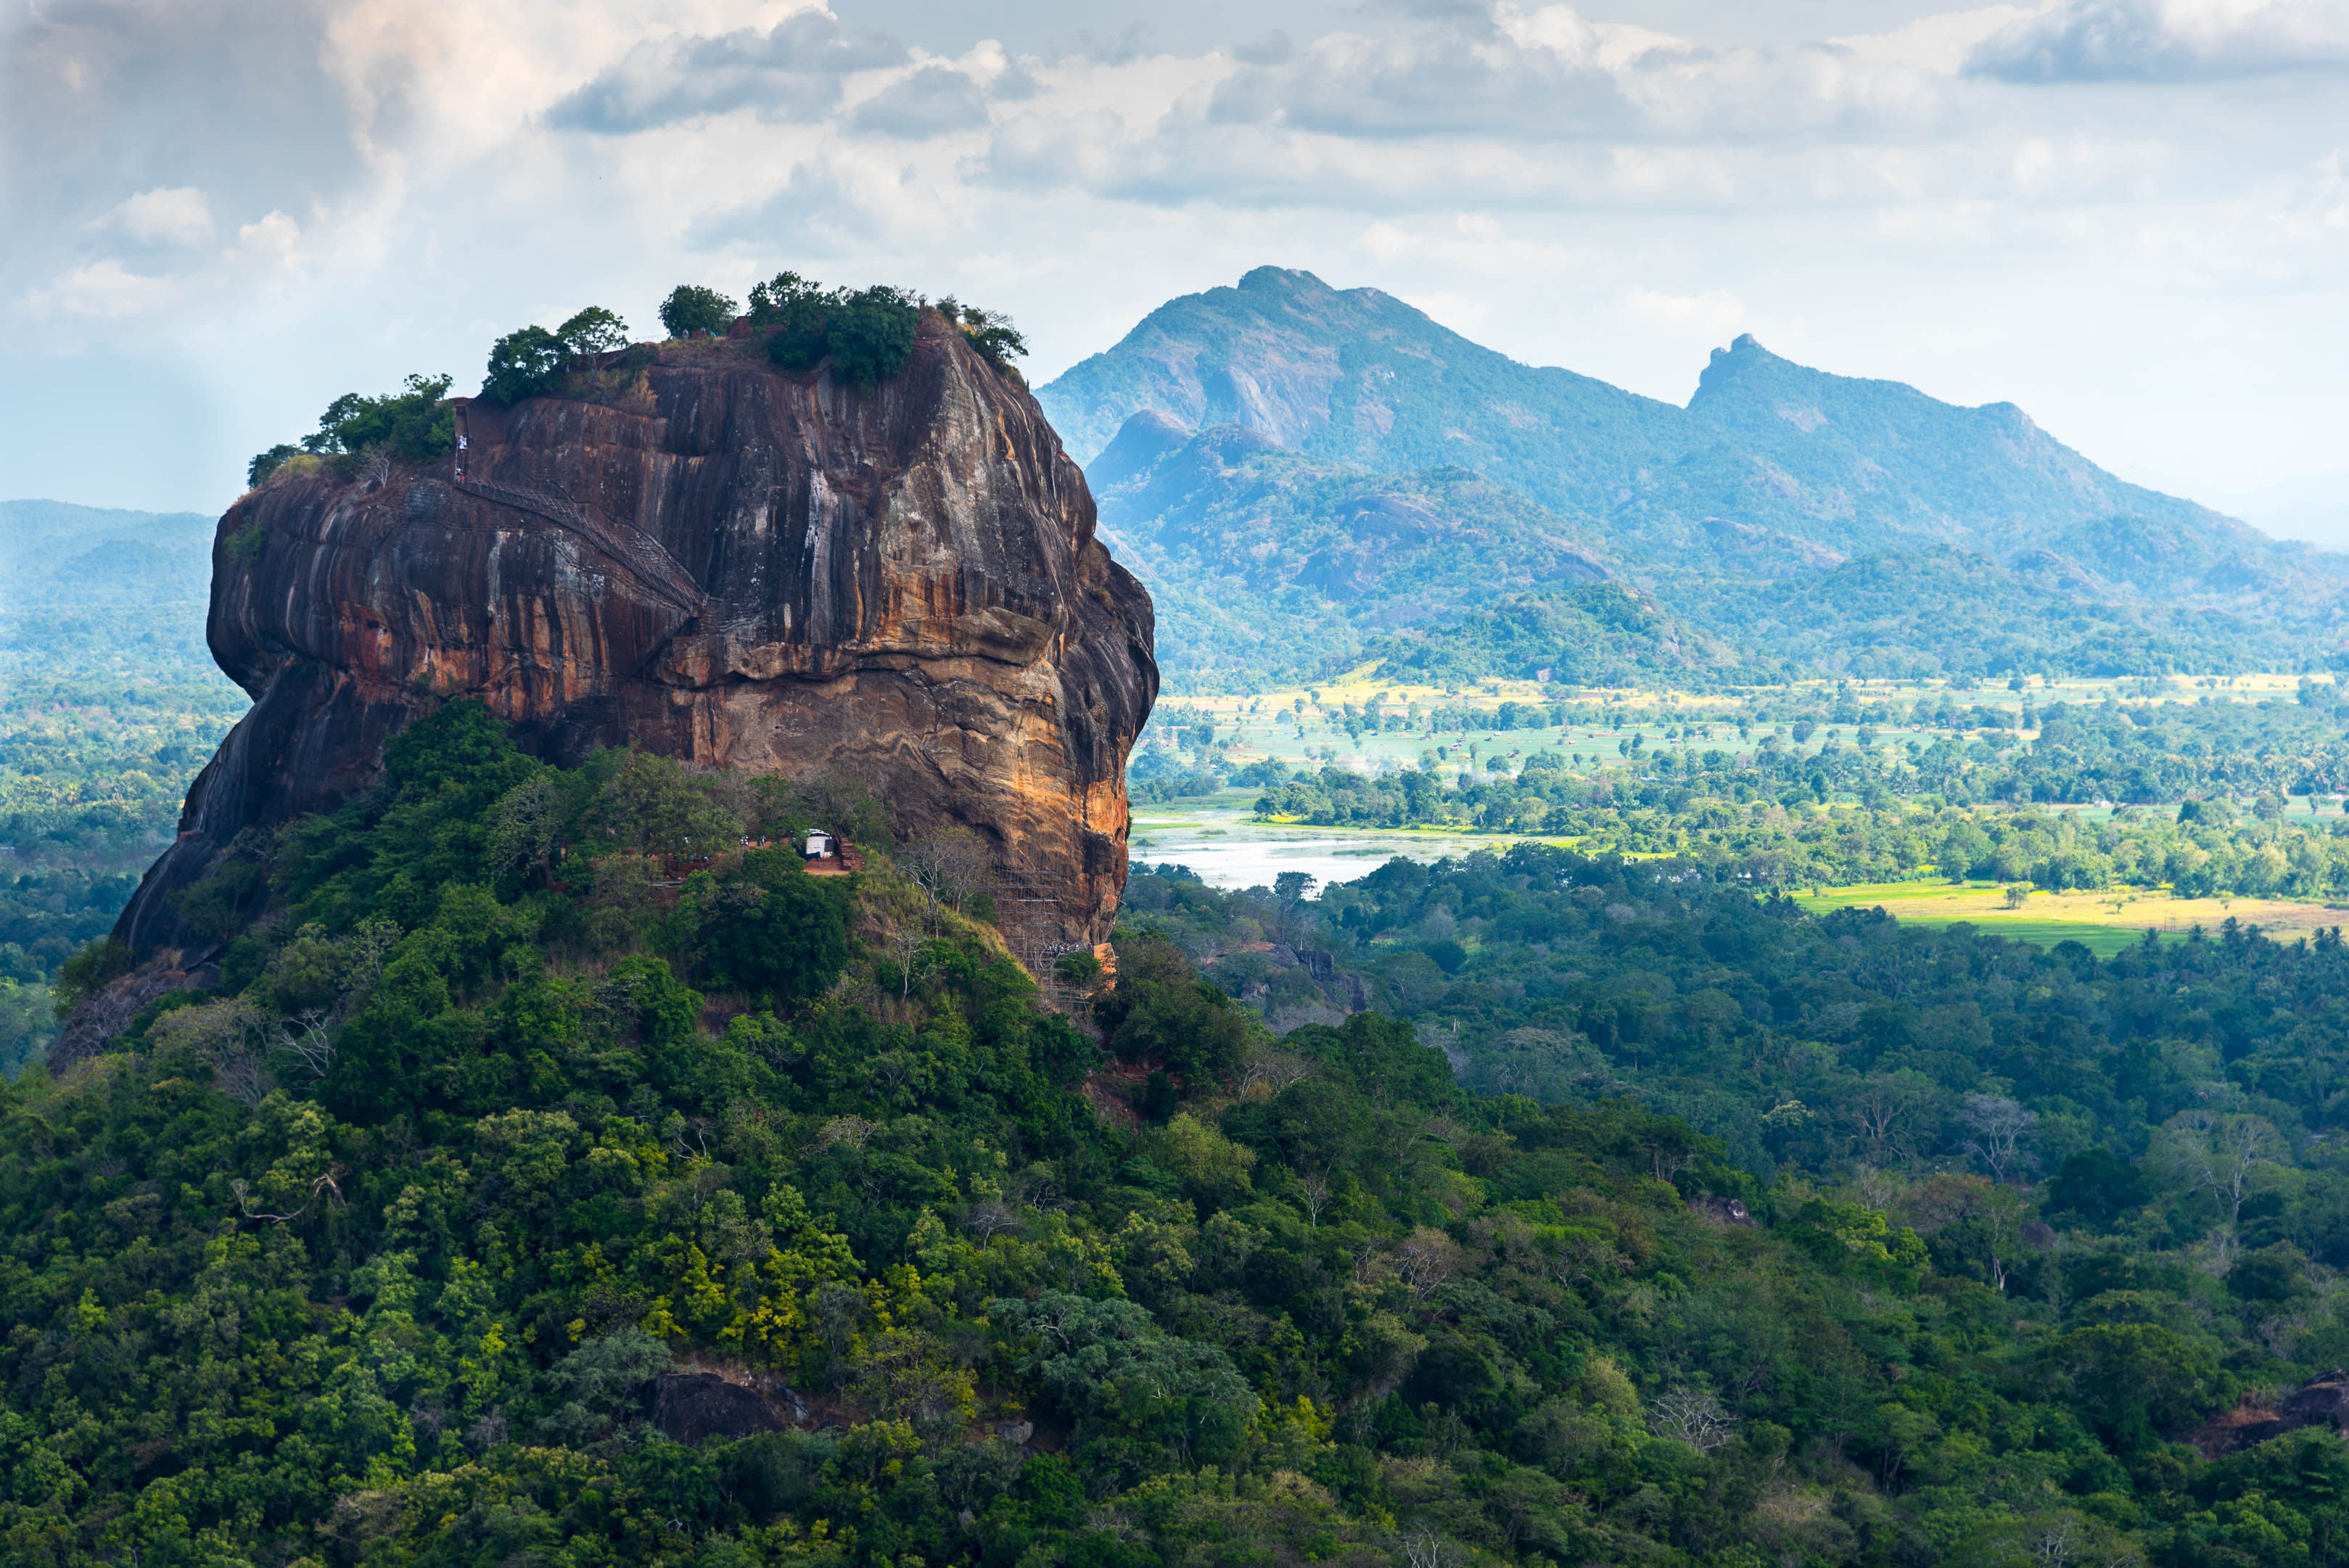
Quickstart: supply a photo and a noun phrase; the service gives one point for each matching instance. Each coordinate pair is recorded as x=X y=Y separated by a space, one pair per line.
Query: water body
x=1225 y=849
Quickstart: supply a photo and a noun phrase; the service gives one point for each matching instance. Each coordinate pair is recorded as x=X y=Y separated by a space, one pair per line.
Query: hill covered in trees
x=1797 y=517
x=516 y=1191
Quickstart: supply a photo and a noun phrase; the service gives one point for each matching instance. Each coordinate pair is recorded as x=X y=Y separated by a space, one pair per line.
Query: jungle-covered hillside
x=533 y=1185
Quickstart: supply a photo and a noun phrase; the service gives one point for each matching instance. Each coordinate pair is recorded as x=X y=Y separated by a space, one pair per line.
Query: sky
x=2131 y=217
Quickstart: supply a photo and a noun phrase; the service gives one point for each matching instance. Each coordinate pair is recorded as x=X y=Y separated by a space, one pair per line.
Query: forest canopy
x=1634 y=1219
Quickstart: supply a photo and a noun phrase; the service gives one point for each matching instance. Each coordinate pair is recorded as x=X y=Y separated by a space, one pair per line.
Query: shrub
x=88 y=970
x=245 y=545
x=691 y=308
x=867 y=335
x=267 y=463
x=413 y=424
x=990 y=332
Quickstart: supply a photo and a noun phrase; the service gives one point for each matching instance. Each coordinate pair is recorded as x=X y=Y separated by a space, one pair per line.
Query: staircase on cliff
x=640 y=551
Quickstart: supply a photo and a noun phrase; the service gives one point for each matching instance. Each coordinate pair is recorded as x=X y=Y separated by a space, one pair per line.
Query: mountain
x=763 y=572
x=53 y=553
x=92 y=593
x=1734 y=511
x=1606 y=635
x=1357 y=377
x=1271 y=564
x=108 y=703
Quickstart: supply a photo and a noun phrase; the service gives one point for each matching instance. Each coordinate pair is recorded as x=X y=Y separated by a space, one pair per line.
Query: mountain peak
x=1772 y=469
x=1282 y=281
x=1745 y=347
x=1331 y=371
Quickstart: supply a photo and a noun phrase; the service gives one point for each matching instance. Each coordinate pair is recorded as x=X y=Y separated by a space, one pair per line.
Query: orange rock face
x=736 y=567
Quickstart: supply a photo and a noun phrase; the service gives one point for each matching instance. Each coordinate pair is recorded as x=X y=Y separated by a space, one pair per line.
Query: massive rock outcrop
x=717 y=561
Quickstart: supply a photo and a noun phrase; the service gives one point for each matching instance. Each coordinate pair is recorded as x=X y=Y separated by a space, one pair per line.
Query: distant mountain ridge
x=56 y=553
x=1273 y=565
x=1359 y=377
x=1215 y=430
x=104 y=592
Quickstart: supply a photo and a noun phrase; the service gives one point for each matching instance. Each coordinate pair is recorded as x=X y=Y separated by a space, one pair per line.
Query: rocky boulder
x=714 y=560
x=693 y=1406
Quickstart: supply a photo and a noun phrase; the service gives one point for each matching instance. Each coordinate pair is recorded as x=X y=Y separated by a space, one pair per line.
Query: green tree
x=2134 y=1381
x=871 y=335
x=412 y=425
x=783 y=298
x=592 y=331
x=691 y=308
x=525 y=362
x=267 y=463
x=1161 y=1011
x=776 y=931
x=1132 y=1387
x=989 y=332
x=653 y=805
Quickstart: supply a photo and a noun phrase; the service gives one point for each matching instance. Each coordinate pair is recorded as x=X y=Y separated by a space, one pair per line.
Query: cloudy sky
x=2129 y=216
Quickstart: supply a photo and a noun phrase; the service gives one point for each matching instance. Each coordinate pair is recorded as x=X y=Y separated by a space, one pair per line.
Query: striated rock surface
x=736 y=567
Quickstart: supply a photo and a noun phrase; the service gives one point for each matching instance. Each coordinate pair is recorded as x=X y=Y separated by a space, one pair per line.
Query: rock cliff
x=717 y=561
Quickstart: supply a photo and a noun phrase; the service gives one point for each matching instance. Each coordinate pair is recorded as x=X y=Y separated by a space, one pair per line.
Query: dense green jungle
x=109 y=704
x=1636 y=1218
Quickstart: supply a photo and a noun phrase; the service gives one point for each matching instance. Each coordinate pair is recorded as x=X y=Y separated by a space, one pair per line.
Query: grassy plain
x=2105 y=921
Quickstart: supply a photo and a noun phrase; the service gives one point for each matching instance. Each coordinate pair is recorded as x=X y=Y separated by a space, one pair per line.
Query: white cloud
x=344 y=191
x=2167 y=41
x=790 y=71
x=100 y=290
x=274 y=234
x=932 y=102
x=1716 y=314
x=1550 y=74
x=167 y=215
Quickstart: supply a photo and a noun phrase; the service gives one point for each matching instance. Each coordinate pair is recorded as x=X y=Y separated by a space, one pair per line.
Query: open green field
x=2105 y=921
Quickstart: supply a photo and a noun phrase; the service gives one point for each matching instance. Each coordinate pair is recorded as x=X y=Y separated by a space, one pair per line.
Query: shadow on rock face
x=2322 y=1401
x=693 y=1406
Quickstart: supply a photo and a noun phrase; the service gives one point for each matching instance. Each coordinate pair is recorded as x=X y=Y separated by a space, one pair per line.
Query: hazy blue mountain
x=52 y=552
x=92 y=592
x=1359 y=377
x=1760 y=513
x=1268 y=565
x=1856 y=464
x=110 y=703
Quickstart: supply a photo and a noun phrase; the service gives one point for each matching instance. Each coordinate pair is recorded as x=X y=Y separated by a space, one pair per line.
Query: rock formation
x=726 y=564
